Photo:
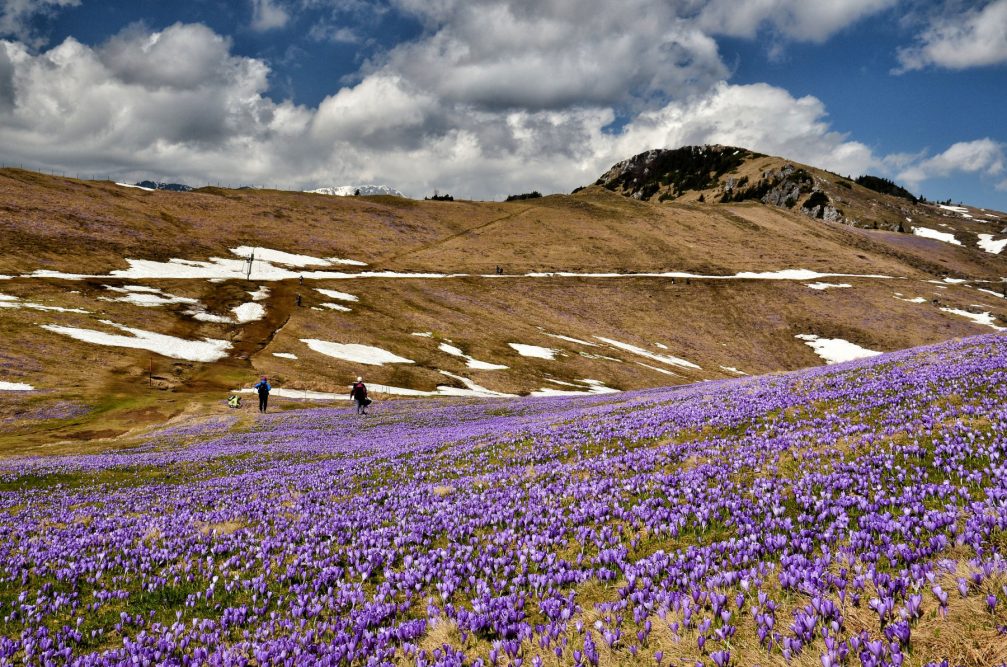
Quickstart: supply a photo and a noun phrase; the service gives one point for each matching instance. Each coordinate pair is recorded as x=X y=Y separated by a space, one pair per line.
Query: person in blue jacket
x=263 y=387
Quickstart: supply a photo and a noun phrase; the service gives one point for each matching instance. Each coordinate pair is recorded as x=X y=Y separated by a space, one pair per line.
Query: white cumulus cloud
x=973 y=38
x=799 y=20
x=267 y=15
x=983 y=156
x=16 y=17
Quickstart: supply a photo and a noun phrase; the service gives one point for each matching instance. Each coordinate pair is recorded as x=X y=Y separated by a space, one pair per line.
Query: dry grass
x=70 y=225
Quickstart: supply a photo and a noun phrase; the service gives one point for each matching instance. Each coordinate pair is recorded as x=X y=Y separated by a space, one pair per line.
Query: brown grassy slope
x=75 y=226
x=87 y=227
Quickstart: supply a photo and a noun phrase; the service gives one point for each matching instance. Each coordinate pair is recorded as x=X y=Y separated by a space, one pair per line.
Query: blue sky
x=483 y=98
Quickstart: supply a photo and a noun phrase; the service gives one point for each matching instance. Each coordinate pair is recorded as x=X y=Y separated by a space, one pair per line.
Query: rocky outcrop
x=667 y=174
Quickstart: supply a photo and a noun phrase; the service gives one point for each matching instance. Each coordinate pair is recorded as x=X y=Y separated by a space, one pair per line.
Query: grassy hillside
x=649 y=293
x=842 y=515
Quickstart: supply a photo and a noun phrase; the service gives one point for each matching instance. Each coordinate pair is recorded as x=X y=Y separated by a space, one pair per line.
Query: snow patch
x=135 y=187
x=663 y=371
x=534 y=351
x=954 y=209
x=13 y=302
x=983 y=318
x=825 y=286
x=206 y=350
x=15 y=386
x=573 y=340
x=361 y=354
x=732 y=369
x=591 y=387
x=928 y=233
x=663 y=358
x=334 y=294
x=260 y=294
x=285 y=355
x=278 y=256
x=335 y=306
x=248 y=312
x=836 y=350
x=987 y=243
x=147 y=297
x=472 y=363
x=423 y=334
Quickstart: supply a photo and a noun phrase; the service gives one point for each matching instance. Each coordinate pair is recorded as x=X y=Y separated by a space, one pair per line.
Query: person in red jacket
x=359 y=394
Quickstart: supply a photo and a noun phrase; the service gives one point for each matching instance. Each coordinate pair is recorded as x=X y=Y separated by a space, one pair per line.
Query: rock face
x=361 y=190
x=669 y=173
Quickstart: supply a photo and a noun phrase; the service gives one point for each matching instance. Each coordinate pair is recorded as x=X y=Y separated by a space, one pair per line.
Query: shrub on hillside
x=535 y=194
x=885 y=187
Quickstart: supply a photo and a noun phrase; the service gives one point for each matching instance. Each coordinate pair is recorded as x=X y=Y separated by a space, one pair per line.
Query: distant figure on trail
x=263 y=387
x=234 y=401
x=359 y=394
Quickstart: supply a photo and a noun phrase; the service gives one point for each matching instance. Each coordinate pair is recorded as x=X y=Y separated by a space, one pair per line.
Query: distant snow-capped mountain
x=362 y=190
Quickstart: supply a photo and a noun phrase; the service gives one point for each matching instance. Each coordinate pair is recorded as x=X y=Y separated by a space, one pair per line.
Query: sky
x=485 y=98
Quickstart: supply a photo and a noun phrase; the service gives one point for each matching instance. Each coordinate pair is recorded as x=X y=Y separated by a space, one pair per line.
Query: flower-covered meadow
x=848 y=515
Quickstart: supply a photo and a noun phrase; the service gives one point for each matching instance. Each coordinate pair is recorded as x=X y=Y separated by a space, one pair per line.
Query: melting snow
x=472 y=389
x=285 y=355
x=136 y=187
x=148 y=297
x=987 y=243
x=217 y=268
x=206 y=350
x=916 y=299
x=15 y=386
x=260 y=294
x=665 y=371
x=339 y=307
x=279 y=257
x=732 y=369
x=593 y=387
x=663 y=358
x=474 y=364
x=928 y=233
x=979 y=318
x=13 y=302
x=424 y=334
x=835 y=350
x=573 y=340
x=204 y=316
x=534 y=351
x=333 y=294
x=824 y=286
x=361 y=354
x=989 y=291
x=249 y=312
x=955 y=209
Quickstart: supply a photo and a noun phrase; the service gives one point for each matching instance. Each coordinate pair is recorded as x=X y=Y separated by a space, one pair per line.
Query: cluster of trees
x=440 y=197
x=886 y=187
x=527 y=195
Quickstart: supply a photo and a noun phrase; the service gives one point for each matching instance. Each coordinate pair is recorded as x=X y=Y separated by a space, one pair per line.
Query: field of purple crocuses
x=845 y=515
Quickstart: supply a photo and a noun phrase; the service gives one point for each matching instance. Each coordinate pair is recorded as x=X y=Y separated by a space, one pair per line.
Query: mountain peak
x=361 y=190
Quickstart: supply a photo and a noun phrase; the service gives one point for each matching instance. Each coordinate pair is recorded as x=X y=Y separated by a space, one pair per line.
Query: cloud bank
x=493 y=97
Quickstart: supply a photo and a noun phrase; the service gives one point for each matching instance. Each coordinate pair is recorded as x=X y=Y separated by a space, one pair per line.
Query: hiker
x=263 y=387
x=234 y=401
x=359 y=394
